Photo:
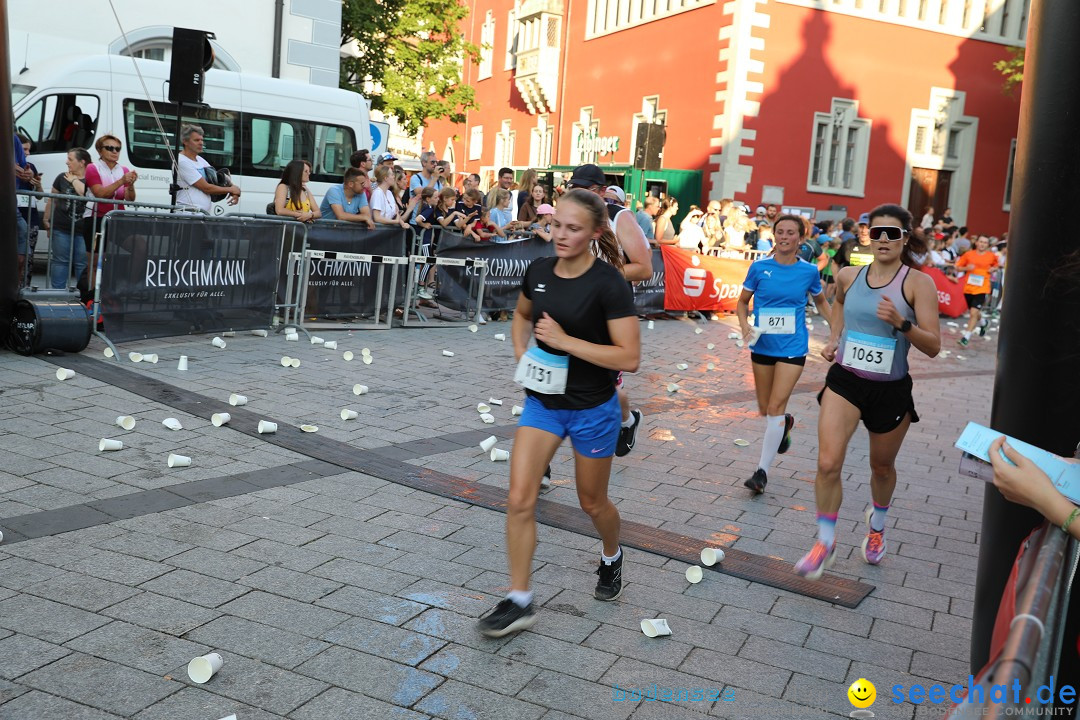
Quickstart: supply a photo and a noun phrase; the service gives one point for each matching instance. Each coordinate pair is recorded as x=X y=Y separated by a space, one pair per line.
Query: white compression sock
x=774 y=433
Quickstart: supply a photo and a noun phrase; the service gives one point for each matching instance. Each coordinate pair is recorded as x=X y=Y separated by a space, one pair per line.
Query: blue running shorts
x=593 y=431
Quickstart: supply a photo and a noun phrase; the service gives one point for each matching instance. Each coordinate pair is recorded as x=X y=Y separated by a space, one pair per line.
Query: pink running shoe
x=873 y=545
x=815 y=562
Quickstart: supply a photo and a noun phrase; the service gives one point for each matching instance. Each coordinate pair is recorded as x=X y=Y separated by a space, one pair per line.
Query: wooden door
x=928 y=187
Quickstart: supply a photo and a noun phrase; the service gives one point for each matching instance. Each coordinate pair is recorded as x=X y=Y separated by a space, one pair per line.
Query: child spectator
x=502 y=216
x=542 y=227
x=482 y=230
x=469 y=206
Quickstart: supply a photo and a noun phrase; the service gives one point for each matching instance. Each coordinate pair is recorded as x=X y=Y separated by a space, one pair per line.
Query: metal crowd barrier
x=383 y=290
x=287 y=309
x=81 y=225
x=751 y=255
x=467 y=315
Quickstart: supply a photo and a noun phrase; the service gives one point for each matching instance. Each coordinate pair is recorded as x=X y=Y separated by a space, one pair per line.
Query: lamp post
x=9 y=274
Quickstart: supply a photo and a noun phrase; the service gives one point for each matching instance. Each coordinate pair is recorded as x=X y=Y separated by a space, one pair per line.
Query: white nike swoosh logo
x=596 y=450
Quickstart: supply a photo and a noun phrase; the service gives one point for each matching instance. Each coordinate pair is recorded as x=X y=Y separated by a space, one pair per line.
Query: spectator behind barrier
x=347 y=202
x=542 y=227
x=665 y=227
x=471 y=182
x=384 y=206
x=431 y=175
x=22 y=174
x=292 y=197
x=501 y=216
x=527 y=213
x=506 y=182
x=105 y=178
x=192 y=173
x=362 y=160
x=646 y=217
x=529 y=179
x=62 y=218
x=447 y=214
x=691 y=236
x=469 y=206
x=482 y=230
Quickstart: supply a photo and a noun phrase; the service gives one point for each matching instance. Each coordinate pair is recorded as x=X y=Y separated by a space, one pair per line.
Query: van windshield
x=18 y=92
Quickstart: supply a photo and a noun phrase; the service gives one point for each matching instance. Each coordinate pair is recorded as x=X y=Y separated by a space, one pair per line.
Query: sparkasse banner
x=701 y=282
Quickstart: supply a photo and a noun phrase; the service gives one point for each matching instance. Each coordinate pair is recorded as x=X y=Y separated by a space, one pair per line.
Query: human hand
x=745 y=327
x=370 y=224
x=550 y=332
x=829 y=351
x=888 y=313
x=1019 y=479
x=130 y=177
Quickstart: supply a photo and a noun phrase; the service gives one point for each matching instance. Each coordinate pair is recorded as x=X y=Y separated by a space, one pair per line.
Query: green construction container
x=685 y=185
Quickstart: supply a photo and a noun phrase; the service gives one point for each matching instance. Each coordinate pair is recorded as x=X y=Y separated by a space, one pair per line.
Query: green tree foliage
x=411 y=56
x=1012 y=68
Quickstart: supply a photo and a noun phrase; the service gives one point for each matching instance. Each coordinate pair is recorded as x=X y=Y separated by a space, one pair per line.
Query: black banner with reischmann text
x=346 y=288
x=506 y=265
x=649 y=294
x=166 y=275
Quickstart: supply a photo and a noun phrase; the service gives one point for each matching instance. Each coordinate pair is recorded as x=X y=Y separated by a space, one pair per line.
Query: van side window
x=57 y=123
x=147 y=147
x=274 y=141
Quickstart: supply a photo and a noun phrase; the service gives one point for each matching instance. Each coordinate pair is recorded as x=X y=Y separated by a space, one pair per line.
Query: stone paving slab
x=342 y=595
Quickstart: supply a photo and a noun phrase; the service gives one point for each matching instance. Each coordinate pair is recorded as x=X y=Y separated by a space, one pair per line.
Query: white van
x=253 y=125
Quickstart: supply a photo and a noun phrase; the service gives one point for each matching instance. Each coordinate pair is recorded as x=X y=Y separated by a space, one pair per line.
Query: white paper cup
x=495 y=401
x=64 y=373
x=500 y=336
x=108 y=445
x=359 y=389
x=482 y=408
x=741 y=443
x=755 y=335
x=292 y=337
x=366 y=359
x=126 y=421
x=290 y=330
x=733 y=336
x=681 y=366
x=151 y=358
x=330 y=344
x=229 y=333
x=652 y=324
x=108 y=352
x=710 y=346
x=285 y=361
x=310 y=428
x=698 y=331
x=294 y=362
x=474 y=327
x=172 y=424
x=655 y=627
x=693 y=574
x=487 y=443
x=201 y=669
x=182 y=364
x=220 y=419
x=348 y=355
x=710 y=366
x=517 y=410
x=135 y=357
x=488 y=419
x=266 y=427
x=316 y=340
x=218 y=343
x=711 y=556
x=498 y=455
x=259 y=333
x=365 y=351
x=672 y=387
x=237 y=400
x=176 y=461
x=347 y=414
x=739 y=343
x=447 y=353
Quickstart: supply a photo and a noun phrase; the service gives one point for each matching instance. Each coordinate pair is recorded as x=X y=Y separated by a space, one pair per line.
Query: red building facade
x=819 y=105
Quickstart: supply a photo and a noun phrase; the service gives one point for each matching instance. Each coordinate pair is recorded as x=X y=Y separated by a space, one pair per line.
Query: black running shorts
x=882 y=404
x=773 y=359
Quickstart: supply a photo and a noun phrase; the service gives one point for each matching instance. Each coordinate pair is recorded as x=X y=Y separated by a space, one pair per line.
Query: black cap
x=587 y=176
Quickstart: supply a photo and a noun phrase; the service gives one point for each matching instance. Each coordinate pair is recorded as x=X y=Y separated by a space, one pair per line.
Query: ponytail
x=606 y=247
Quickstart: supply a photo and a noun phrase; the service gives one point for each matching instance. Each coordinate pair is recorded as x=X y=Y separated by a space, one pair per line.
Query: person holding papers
x=1021 y=481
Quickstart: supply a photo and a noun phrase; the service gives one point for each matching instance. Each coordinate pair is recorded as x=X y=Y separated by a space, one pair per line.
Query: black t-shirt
x=471 y=214
x=843 y=255
x=582 y=306
x=66 y=212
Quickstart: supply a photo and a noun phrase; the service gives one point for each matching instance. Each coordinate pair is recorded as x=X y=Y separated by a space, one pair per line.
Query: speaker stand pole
x=174 y=189
x=9 y=274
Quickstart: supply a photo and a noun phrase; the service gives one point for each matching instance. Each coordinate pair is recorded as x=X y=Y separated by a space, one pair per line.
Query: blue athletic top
x=782 y=290
x=865 y=334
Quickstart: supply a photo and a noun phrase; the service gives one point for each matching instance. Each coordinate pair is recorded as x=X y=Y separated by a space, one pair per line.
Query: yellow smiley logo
x=862 y=693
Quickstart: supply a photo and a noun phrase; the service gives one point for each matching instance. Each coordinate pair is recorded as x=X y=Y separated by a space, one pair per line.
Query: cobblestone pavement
x=334 y=594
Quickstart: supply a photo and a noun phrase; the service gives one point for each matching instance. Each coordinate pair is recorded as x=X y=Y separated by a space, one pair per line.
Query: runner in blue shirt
x=779 y=341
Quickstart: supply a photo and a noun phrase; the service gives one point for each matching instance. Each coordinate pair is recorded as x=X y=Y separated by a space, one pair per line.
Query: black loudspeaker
x=54 y=324
x=648 y=145
x=192 y=56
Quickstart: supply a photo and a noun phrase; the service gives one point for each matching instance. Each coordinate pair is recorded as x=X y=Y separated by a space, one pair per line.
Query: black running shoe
x=505 y=618
x=628 y=435
x=757 y=481
x=609 y=586
x=545 y=482
x=785 y=442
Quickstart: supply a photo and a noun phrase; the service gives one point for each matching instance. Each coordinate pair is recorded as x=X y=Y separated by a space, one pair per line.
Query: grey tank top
x=866 y=341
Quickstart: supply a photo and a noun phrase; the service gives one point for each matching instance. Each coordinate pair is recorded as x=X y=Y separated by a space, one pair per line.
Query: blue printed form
x=1064 y=474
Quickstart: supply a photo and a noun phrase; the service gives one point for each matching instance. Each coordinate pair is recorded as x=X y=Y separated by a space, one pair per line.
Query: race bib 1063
x=871 y=353
x=542 y=372
x=777 y=321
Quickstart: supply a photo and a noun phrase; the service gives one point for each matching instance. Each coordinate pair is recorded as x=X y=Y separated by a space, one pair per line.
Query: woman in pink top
x=105 y=178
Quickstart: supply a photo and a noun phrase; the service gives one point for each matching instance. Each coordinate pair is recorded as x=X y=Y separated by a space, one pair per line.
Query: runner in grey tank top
x=868 y=343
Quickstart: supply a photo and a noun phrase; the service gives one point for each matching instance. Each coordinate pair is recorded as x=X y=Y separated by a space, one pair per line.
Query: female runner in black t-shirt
x=582 y=314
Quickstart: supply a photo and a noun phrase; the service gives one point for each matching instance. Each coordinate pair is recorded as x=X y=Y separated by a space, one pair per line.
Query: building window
x=581 y=152
x=1007 y=205
x=839 y=150
x=540 y=143
x=476 y=142
x=487 y=46
x=149 y=53
x=504 y=145
x=511 y=38
x=608 y=16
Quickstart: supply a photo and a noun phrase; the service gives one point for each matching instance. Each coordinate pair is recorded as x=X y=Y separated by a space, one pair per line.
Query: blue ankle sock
x=826 y=528
x=877 y=518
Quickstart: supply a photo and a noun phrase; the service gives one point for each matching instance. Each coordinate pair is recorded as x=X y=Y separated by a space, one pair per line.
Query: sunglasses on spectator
x=886 y=233
x=111 y=148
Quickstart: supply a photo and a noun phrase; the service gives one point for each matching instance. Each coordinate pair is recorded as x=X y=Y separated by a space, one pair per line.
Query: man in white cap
x=638 y=267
